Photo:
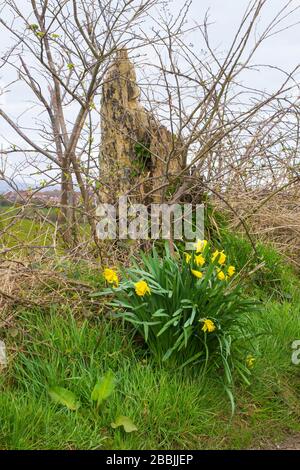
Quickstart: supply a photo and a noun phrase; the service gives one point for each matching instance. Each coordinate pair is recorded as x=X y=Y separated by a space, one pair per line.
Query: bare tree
x=61 y=51
x=236 y=137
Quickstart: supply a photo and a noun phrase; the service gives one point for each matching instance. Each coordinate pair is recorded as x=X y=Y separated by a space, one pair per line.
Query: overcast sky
x=282 y=50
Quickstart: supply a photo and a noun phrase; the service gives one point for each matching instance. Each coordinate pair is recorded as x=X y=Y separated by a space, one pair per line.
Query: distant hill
x=23 y=186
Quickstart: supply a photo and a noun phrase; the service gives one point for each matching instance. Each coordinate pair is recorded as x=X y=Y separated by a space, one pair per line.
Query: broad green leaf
x=125 y=422
x=103 y=388
x=168 y=354
x=177 y=312
x=64 y=397
x=191 y=359
x=160 y=313
x=146 y=331
x=231 y=399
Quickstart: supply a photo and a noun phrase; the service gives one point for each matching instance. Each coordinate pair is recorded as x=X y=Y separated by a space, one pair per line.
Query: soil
x=290 y=443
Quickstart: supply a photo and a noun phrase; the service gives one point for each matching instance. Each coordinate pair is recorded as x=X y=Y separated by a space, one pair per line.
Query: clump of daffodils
x=200 y=261
x=202 y=264
x=186 y=307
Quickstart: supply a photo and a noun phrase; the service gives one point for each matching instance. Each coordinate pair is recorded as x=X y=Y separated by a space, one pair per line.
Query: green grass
x=172 y=409
x=275 y=278
x=29 y=230
x=25 y=228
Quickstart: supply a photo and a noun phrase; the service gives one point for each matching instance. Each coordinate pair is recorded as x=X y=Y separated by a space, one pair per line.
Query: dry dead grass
x=26 y=286
x=269 y=218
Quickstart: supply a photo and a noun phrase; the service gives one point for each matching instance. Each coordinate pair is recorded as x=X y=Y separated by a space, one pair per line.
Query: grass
x=172 y=409
x=34 y=227
x=25 y=229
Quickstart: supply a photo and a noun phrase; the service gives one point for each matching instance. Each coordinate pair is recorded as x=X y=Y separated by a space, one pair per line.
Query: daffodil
x=221 y=276
x=196 y=273
x=142 y=288
x=220 y=255
x=199 y=260
x=214 y=255
x=231 y=271
x=208 y=325
x=111 y=276
x=200 y=245
x=222 y=258
x=250 y=360
x=188 y=257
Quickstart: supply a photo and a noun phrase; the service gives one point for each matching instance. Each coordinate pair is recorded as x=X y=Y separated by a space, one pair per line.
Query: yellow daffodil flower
x=214 y=255
x=221 y=276
x=188 y=257
x=111 y=276
x=208 y=325
x=222 y=258
x=142 y=288
x=231 y=271
x=199 y=260
x=220 y=255
x=196 y=273
x=250 y=360
x=201 y=245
